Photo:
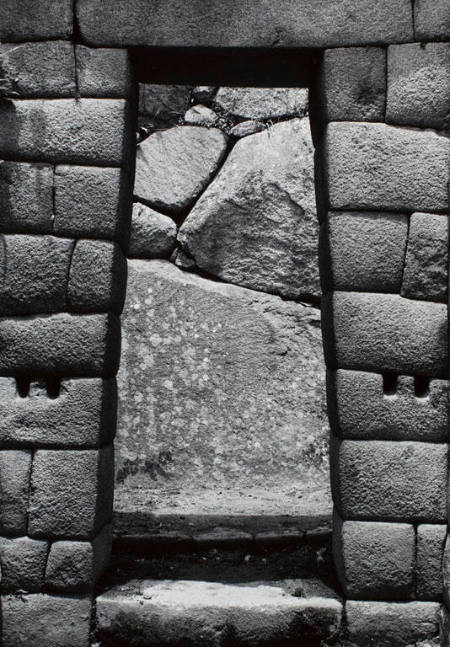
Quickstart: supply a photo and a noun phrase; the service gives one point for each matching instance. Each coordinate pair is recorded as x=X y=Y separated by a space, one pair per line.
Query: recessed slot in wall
x=23 y=386
x=421 y=386
x=390 y=383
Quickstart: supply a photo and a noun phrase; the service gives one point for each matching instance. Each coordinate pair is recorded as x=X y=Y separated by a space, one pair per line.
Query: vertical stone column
x=66 y=144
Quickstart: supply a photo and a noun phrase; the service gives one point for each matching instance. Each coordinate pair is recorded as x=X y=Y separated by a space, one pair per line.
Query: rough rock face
x=221 y=399
x=256 y=223
x=173 y=166
x=262 y=103
x=153 y=235
x=162 y=105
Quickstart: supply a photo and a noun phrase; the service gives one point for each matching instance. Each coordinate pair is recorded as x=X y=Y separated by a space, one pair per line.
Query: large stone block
x=103 y=72
x=71 y=492
x=430 y=553
x=21 y=20
x=382 y=480
x=152 y=235
x=22 y=563
x=352 y=84
x=81 y=414
x=361 y=408
x=376 y=166
x=385 y=333
x=254 y=23
x=91 y=131
x=374 y=560
x=262 y=103
x=15 y=468
x=431 y=20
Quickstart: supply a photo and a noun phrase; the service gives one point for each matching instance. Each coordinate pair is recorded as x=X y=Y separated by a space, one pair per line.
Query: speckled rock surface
x=262 y=103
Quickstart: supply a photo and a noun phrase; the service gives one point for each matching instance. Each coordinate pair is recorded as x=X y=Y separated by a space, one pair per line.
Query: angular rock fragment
x=200 y=116
x=162 y=105
x=247 y=128
x=262 y=103
x=153 y=235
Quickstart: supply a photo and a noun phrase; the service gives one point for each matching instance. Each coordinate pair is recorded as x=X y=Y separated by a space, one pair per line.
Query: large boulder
x=256 y=223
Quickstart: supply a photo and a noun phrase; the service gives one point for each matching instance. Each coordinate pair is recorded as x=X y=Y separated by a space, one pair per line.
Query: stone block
x=91 y=131
x=430 y=552
x=444 y=626
x=374 y=560
x=97 y=278
x=389 y=481
x=431 y=20
x=22 y=563
x=60 y=345
x=161 y=106
x=26 y=197
x=45 y=69
x=364 y=251
x=92 y=202
x=352 y=84
x=446 y=572
x=385 y=333
x=153 y=235
x=21 y=20
x=361 y=408
x=45 y=620
x=391 y=624
x=76 y=565
x=71 y=493
x=427 y=258
x=81 y=414
x=33 y=274
x=15 y=469
x=262 y=103
x=418 y=89
x=376 y=166
x=103 y=72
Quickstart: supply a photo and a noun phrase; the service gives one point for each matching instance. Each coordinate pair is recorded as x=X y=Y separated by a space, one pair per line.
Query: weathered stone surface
x=71 y=492
x=377 y=166
x=82 y=414
x=26 y=197
x=203 y=93
x=22 y=563
x=175 y=165
x=246 y=128
x=91 y=202
x=444 y=622
x=430 y=552
x=352 y=84
x=162 y=105
x=65 y=130
x=385 y=332
x=262 y=103
x=22 y=21
x=431 y=20
x=359 y=409
x=254 y=23
x=153 y=235
x=208 y=613
x=374 y=560
x=419 y=85
x=103 y=72
x=33 y=274
x=39 y=69
x=221 y=399
x=60 y=345
x=427 y=258
x=391 y=624
x=256 y=223
x=446 y=572
x=364 y=251
x=15 y=467
x=200 y=116
x=45 y=620
x=382 y=480
x=98 y=277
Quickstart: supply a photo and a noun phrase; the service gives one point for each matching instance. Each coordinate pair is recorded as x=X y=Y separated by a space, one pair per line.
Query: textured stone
x=446 y=572
x=200 y=116
x=71 y=492
x=374 y=560
x=22 y=563
x=352 y=84
x=33 y=274
x=419 y=85
x=60 y=345
x=444 y=618
x=385 y=333
x=98 y=276
x=45 y=620
x=65 y=130
x=153 y=235
x=15 y=467
x=103 y=72
x=360 y=409
x=391 y=624
x=254 y=23
x=26 y=197
x=203 y=93
x=427 y=258
x=83 y=414
x=246 y=128
x=431 y=20
x=91 y=202
x=256 y=223
x=162 y=105
x=430 y=551
x=364 y=251
x=377 y=166
x=221 y=399
x=175 y=165
x=22 y=21
x=262 y=103
x=382 y=480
